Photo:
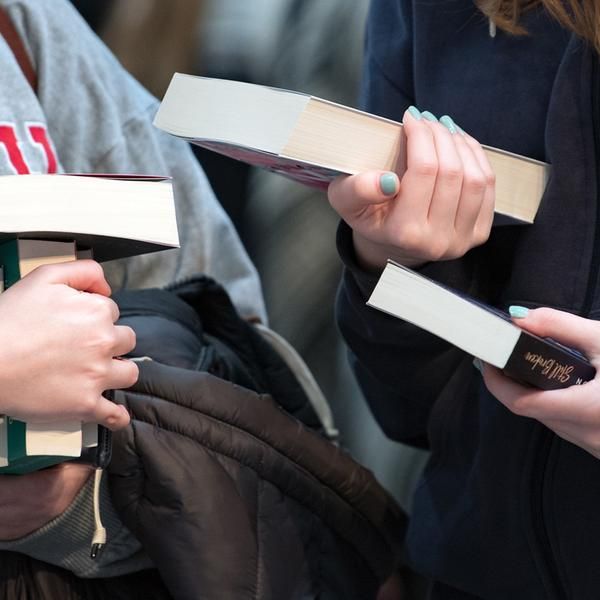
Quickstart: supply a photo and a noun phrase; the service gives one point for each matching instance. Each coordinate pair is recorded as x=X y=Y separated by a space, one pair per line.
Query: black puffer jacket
x=230 y=495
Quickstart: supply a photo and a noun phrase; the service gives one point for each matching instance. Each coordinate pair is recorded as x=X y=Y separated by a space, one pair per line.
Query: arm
x=441 y=208
x=100 y=120
x=58 y=345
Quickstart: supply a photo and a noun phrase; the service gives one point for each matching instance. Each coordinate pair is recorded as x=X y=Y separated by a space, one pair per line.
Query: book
x=478 y=329
x=312 y=140
x=19 y=256
x=27 y=447
x=116 y=215
x=56 y=218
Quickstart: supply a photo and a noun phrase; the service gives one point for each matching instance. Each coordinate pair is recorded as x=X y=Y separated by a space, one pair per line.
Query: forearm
x=65 y=541
x=401 y=369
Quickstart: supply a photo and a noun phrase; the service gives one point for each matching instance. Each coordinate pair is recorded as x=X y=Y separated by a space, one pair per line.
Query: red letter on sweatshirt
x=8 y=139
x=39 y=135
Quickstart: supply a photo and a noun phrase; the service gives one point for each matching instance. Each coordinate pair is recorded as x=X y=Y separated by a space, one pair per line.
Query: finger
x=448 y=185
x=111 y=415
x=472 y=195
x=113 y=308
x=485 y=218
x=566 y=404
x=84 y=275
x=350 y=195
x=124 y=340
x=420 y=177
x=123 y=373
x=566 y=328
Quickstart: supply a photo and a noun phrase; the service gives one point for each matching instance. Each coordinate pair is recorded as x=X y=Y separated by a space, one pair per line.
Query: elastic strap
x=13 y=39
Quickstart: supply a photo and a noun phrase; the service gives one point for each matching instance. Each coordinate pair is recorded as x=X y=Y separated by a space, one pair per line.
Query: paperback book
x=56 y=218
x=478 y=329
x=312 y=140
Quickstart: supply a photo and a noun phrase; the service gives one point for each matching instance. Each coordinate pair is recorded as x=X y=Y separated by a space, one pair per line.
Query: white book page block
x=54 y=439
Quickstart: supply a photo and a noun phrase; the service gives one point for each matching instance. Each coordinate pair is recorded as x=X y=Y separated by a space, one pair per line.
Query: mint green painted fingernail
x=448 y=123
x=388 y=183
x=478 y=364
x=429 y=116
x=518 y=312
x=415 y=112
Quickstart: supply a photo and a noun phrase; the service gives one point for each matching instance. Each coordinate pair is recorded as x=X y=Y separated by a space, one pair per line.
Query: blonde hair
x=581 y=16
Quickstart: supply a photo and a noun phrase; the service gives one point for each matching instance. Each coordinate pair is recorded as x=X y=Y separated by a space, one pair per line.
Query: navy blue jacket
x=506 y=509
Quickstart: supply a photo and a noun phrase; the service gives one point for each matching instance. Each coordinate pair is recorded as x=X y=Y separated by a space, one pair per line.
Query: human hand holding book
x=312 y=140
x=573 y=413
x=61 y=372
x=441 y=207
x=481 y=330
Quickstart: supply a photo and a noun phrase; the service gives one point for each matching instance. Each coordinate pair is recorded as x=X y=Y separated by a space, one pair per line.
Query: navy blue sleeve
x=401 y=369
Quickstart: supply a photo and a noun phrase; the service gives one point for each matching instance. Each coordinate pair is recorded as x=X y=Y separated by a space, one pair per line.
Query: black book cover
x=546 y=364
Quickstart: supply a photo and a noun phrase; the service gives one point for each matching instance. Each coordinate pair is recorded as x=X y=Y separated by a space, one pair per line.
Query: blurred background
x=312 y=46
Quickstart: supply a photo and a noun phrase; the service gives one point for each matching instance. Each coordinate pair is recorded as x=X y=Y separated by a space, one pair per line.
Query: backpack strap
x=13 y=39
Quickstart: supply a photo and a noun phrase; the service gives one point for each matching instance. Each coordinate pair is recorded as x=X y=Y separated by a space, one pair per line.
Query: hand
x=573 y=413
x=442 y=207
x=58 y=344
x=392 y=589
x=28 y=502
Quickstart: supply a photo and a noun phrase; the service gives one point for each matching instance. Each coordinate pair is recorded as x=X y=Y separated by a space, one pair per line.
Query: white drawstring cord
x=99 y=537
x=492 y=28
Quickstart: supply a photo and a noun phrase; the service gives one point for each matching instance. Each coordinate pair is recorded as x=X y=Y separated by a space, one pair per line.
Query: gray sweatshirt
x=91 y=116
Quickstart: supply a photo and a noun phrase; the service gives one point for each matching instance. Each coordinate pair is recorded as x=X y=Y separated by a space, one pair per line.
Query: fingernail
x=518 y=312
x=388 y=183
x=429 y=116
x=414 y=112
x=478 y=365
x=448 y=123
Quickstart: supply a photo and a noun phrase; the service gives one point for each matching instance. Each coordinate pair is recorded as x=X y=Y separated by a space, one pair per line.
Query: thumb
x=84 y=275
x=568 y=329
x=111 y=415
x=349 y=195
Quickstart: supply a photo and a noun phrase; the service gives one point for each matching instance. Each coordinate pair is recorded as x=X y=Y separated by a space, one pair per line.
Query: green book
x=29 y=447
x=20 y=256
x=56 y=218
x=26 y=447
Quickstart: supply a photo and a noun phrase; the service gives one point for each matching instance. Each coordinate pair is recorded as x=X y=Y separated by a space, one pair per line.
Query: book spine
x=547 y=365
x=9 y=259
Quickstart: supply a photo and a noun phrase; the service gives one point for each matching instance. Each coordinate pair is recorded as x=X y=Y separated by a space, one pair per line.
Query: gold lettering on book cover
x=551 y=368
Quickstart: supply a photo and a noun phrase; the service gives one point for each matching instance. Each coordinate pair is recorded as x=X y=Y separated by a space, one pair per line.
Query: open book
x=312 y=140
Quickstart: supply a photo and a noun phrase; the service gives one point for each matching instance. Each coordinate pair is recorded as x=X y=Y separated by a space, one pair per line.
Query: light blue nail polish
x=448 y=123
x=478 y=365
x=518 y=312
x=429 y=116
x=415 y=112
x=388 y=183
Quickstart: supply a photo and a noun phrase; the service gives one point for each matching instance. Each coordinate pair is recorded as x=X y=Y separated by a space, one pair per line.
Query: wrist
x=372 y=256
